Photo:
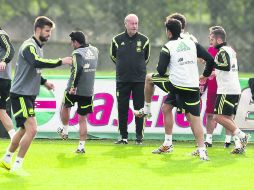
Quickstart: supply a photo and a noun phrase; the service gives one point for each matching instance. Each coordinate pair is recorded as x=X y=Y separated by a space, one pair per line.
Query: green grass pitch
x=52 y=164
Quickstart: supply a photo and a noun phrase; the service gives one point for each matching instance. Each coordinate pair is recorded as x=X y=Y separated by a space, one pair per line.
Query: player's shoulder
x=93 y=48
x=143 y=36
x=2 y=32
x=119 y=36
x=189 y=36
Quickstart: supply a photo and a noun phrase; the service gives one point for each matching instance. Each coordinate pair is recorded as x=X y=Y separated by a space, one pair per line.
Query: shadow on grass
x=179 y=163
x=70 y=160
x=123 y=151
x=10 y=180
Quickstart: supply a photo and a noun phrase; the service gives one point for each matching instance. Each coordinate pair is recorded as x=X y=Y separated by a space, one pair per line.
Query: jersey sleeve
x=113 y=49
x=8 y=48
x=223 y=61
x=202 y=53
x=163 y=61
x=32 y=57
x=147 y=48
x=76 y=70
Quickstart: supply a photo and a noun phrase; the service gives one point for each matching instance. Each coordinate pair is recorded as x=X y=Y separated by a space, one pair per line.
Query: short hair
x=42 y=21
x=215 y=28
x=220 y=33
x=174 y=26
x=78 y=36
x=179 y=17
x=128 y=17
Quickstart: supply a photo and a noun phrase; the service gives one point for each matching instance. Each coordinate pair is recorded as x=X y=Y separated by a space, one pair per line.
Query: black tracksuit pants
x=123 y=92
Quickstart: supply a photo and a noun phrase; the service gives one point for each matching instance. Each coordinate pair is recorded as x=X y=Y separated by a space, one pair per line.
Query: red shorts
x=211 y=95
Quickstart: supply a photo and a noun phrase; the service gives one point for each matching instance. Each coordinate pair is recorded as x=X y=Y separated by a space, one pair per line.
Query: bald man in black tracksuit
x=130 y=51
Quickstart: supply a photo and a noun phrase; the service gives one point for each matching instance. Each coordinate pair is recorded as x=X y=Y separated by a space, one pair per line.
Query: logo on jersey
x=89 y=54
x=180 y=60
x=182 y=47
x=86 y=66
x=122 y=44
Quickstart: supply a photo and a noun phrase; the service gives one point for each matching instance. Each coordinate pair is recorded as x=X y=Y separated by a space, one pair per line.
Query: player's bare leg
x=148 y=91
x=82 y=134
x=167 y=145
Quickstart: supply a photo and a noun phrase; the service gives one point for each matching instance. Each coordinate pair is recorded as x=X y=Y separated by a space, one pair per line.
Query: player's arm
x=113 y=49
x=147 y=48
x=202 y=53
x=163 y=61
x=7 y=47
x=48 y=85
x=30 y=54
x=76 y=70
x=223 y=61
x=43 y=80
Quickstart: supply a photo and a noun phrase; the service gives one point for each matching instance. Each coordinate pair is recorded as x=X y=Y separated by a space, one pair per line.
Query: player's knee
x=217 y=118
x=32 y=130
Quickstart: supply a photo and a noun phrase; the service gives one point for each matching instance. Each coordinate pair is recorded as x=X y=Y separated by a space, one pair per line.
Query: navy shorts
x=186 y=99
x=226 y=104
x=5 y=86
x=85 y=104
x=22 y=107
x=162 y=82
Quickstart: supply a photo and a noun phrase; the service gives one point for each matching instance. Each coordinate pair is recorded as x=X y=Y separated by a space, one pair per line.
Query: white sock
x=228 y=139
x=202 y=151
x=125 y=140
x=168 y=140
x=239 y=133
x=147 y=107
x=81 y=145
x=209 y=138
x=65 y=129
x=8 y=156
x=18 y=163
x=11 y=133
x=237 y=141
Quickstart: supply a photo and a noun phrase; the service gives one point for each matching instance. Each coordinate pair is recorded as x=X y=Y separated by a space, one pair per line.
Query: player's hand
x=67 y=60
x=202 y=79
x=73 y=91
x=212 y=75
x=2 y=66
x=137 y=114
x=49 y=85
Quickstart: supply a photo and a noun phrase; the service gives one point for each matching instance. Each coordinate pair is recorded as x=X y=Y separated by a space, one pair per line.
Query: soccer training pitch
x=52 y=164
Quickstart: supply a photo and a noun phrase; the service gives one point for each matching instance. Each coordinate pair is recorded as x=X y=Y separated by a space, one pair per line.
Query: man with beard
x=229 y=89
x=25 y=88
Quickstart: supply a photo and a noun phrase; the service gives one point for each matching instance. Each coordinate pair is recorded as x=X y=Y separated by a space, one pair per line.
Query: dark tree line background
x=102 y=19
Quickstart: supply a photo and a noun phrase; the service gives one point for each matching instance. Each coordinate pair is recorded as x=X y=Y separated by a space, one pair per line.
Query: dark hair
x=214 y=28
x=220 y=33
x=79 y=36
x=179 y=17
x=42 y=21
x=174 y=26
